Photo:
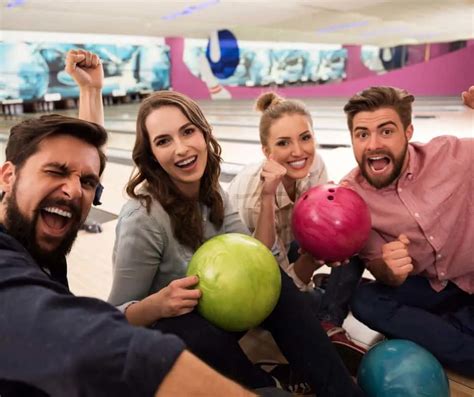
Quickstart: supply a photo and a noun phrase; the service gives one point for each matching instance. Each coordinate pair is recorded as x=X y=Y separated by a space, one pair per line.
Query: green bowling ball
x=239 y=279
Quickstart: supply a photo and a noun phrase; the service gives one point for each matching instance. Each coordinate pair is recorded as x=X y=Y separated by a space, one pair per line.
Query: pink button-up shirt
x=431 y=203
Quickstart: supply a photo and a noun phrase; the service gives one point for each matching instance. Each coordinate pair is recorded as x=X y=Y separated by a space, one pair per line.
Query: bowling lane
x=246 y=133
x=235 y=155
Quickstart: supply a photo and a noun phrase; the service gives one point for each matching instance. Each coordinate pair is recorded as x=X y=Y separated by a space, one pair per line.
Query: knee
x=365 y=303
x=200 y=336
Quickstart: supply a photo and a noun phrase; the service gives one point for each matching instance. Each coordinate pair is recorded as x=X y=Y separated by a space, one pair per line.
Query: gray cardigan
x=147 y=257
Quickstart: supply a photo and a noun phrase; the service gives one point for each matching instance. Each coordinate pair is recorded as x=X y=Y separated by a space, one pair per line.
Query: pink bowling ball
x=331 y=222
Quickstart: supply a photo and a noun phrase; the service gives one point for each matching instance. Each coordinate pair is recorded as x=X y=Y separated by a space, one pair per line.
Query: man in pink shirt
x=421 y=246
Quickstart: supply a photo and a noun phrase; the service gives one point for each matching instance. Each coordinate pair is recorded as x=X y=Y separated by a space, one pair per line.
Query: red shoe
x=350 y=352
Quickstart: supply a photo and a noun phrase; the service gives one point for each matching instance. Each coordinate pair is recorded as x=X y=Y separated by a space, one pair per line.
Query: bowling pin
x=216 y=90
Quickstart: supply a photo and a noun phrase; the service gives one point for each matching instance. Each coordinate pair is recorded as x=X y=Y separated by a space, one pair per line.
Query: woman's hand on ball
x=320 y=263
x=177 y=298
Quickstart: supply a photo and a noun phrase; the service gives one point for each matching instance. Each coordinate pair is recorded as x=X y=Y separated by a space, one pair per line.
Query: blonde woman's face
x=291 y=143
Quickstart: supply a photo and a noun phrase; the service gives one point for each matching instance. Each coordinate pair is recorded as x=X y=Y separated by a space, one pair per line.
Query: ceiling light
x=191 y=9
x=15 y=3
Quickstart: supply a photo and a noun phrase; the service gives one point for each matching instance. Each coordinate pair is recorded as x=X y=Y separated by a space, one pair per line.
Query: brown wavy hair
x=184 y=212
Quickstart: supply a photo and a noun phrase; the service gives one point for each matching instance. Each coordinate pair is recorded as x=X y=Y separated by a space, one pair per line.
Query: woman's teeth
x=186 y=162
x=297 y=164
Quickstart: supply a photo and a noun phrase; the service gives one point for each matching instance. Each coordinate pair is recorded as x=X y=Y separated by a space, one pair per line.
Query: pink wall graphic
x=446 y=74
x=182 y=80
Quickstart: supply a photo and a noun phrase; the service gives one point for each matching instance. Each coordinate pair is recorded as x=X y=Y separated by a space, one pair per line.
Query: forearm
x=142 y=313
x=91 y=107
x=304 y=269
x=191 y=377
x=265 y=229
x=382 y=273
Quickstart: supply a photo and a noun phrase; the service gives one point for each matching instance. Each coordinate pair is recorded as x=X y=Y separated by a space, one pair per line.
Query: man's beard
x=397 y=164
x=24 y=230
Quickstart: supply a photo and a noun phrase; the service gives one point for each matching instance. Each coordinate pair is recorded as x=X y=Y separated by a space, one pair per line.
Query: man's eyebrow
x=61 y=166
x=91 y=177
x=362 y=128
x=386 y=123
x=64 y=168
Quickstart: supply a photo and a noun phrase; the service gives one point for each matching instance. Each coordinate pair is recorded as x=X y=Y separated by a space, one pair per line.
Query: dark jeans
x=442 y=322
x=332 y=304
x=296 y=330
x=341 y=285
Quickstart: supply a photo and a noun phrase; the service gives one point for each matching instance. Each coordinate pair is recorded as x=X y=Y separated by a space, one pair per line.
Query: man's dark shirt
x=54 y=343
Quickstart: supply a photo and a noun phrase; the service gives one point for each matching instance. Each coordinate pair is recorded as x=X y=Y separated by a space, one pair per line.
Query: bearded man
x=420 y=250
x=53 y=343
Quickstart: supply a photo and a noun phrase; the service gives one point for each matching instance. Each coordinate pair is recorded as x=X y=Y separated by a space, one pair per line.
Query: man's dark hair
x=374 y=98
x=26 y=136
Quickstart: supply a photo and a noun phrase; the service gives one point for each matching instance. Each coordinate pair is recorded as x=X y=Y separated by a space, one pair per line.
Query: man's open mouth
x=56 y=218
x=378 y=164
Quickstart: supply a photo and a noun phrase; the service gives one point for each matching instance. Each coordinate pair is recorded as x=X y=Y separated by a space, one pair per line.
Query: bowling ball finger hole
x=331 y=190
x=305 y=197
x=330 y=198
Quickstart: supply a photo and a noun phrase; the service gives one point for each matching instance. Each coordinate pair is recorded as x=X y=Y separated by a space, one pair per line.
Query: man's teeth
x=186 y=162
x=298 y=163
x=377 y=158
x=58 y=211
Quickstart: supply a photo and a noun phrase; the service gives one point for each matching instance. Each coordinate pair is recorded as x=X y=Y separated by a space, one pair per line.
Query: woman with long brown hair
x=176 y=204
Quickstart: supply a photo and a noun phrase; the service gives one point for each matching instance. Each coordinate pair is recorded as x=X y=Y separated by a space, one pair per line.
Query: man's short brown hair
x=374 y=98
x=26 y=136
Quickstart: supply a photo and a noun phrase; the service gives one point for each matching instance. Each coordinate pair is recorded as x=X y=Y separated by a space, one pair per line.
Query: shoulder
x=13 y=253
x=444 y=144
x=226 y=200
x=134 y=218
x=448 y=149
x=246 y=184
x=318 y=172
x=246 y=175
x=17 y=267
x=353 y=178
x=136 y=209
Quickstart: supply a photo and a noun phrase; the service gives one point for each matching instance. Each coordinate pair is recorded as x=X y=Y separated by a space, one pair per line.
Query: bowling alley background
x=226 y=70
x=32 y=66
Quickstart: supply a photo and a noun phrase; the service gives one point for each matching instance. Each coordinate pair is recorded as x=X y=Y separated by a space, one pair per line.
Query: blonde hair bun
x=266 y=100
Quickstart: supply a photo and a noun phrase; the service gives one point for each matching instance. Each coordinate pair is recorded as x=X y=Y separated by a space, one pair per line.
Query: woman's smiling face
x=178 y=146
x=291 y=143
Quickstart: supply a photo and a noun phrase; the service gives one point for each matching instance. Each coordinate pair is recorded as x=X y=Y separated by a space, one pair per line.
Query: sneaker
x=350 y=352
x=92 y=227
x=289 y=380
